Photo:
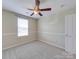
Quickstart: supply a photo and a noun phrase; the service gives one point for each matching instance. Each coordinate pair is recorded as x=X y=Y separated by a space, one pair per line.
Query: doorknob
x=68 y=35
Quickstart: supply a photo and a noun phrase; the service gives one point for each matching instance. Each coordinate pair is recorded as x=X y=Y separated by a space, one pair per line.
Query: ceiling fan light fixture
x=36 y=12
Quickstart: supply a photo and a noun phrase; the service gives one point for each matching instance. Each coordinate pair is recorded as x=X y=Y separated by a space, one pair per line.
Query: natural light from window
x=22 y=27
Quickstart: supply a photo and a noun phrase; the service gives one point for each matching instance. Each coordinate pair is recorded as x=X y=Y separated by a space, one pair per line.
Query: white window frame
x=21 y=28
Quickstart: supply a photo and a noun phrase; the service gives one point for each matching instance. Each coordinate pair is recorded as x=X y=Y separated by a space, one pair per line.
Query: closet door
x=70 y=33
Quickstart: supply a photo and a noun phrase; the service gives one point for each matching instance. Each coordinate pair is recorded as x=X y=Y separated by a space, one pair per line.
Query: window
x=22 y=27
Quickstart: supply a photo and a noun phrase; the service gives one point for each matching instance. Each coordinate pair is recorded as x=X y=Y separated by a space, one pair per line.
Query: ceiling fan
x=37 y=10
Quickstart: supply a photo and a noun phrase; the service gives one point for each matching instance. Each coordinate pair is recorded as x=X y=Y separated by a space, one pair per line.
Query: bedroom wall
x=9 y=27
x=51 y=29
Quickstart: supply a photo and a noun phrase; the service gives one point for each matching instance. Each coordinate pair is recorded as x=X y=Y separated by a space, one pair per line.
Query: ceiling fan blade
x=40 y=14
x=30 y=9
x=45 y=9
x=37 y=2
x=32 y=14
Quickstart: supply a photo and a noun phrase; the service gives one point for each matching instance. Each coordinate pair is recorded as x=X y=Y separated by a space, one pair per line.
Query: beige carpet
x=35 y=50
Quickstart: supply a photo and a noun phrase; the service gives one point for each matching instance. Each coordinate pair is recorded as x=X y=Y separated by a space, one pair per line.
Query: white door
x=70 y=33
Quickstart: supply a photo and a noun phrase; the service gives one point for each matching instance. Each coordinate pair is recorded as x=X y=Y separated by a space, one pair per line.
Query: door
x=70 y=33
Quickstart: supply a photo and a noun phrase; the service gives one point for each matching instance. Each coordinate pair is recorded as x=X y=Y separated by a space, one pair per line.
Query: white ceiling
x=20 y=6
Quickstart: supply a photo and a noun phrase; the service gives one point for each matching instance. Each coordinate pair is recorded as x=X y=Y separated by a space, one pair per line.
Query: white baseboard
x=19 y=44
x=53 y=44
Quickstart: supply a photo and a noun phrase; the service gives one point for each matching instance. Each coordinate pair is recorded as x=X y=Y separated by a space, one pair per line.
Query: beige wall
x=9 y=24
x=51 y=29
